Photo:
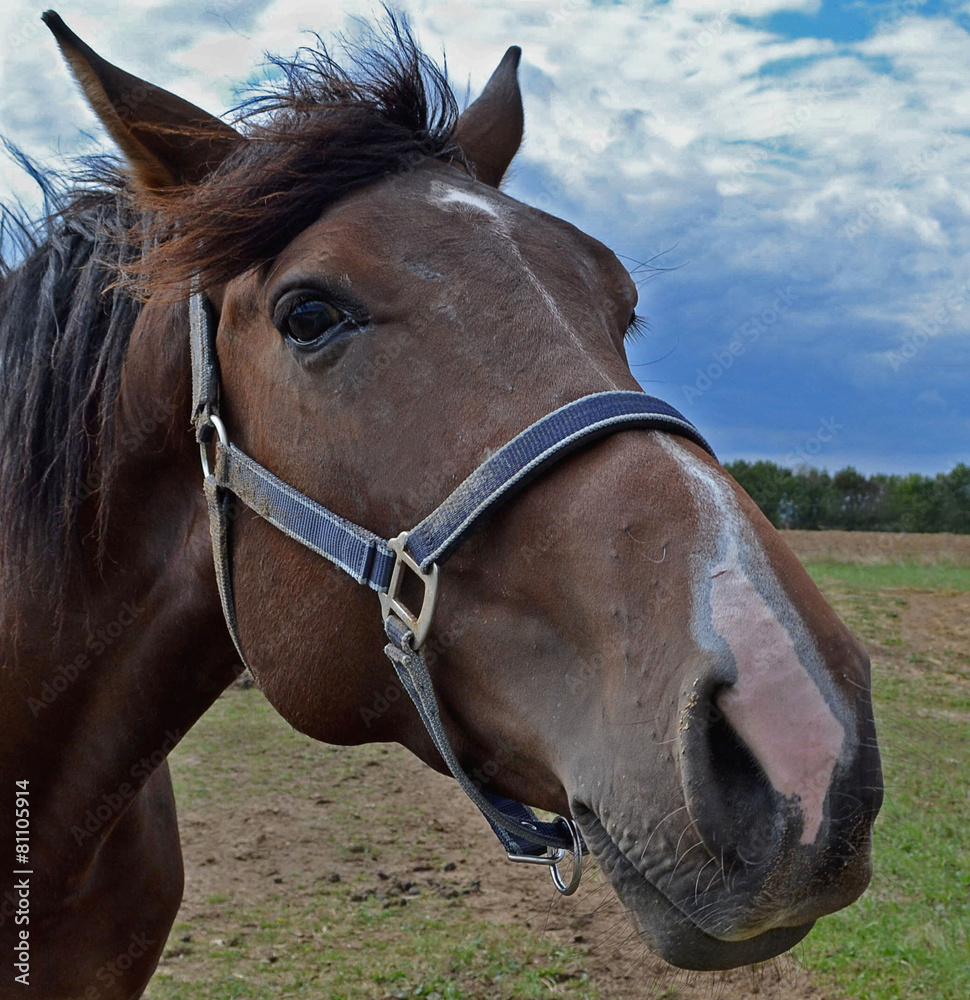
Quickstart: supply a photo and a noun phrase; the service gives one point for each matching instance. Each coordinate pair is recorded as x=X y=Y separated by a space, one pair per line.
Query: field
x=324 y=872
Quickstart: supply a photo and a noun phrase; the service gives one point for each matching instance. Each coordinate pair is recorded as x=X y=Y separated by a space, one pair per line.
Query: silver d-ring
x=567 y=889
x=204 y=448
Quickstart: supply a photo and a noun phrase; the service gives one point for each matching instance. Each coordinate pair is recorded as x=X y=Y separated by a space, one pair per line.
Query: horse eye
x=310 y=321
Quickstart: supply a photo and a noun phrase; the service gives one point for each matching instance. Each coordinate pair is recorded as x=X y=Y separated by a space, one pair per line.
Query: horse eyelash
x=636 y=329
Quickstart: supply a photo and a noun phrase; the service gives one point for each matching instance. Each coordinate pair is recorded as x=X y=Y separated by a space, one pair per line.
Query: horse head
x=629 y=642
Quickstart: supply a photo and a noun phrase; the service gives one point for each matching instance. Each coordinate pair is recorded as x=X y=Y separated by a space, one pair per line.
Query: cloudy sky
x=801 y=167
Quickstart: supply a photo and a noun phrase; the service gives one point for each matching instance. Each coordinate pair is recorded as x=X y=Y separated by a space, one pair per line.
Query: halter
x=382 y=564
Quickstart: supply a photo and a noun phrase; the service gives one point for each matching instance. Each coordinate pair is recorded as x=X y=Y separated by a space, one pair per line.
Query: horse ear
x=489 y=130
x=167 y=141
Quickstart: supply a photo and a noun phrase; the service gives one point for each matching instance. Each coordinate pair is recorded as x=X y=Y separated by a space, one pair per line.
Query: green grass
x=879 y=576
x=364 y=950
x=909 y=935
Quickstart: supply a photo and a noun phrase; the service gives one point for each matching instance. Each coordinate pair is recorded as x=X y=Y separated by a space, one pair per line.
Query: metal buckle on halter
x=220 y=428
x=553 y=860
x=420 y=623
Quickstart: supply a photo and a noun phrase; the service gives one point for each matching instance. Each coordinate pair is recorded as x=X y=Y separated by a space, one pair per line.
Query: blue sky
x=802 y=168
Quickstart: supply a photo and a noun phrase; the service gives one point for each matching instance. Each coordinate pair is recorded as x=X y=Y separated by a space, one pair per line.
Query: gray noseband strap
x=380 y=564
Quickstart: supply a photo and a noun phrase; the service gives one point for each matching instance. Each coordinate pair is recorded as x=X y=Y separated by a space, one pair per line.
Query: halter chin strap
x=381 y=564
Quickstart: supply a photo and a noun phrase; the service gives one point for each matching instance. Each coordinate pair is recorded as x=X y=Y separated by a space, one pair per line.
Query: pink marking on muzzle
x=775 y=706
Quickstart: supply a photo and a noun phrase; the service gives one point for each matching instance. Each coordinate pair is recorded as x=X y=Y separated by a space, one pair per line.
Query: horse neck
x=141 y=650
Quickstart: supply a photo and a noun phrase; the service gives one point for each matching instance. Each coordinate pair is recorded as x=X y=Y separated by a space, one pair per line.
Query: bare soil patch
x=407 y=833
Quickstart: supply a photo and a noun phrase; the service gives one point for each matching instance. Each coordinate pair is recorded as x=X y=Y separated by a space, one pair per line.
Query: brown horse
x=629 y=642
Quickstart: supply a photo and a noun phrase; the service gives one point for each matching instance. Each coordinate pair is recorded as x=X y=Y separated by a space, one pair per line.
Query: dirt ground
x=235 y=853
x=235 y=849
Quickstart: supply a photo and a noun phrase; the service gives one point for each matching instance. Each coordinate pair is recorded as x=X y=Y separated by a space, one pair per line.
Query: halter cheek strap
x=382 y=564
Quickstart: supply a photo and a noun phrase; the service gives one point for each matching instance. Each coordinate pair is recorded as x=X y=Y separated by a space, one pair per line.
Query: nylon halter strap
x=381 y=564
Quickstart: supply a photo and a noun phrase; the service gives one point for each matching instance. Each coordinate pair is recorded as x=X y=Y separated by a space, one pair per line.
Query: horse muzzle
x=664 y=924
x=725 y=869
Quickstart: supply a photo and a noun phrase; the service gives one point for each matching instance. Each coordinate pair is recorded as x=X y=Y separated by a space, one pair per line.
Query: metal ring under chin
x=553 y=860
x=568 y=888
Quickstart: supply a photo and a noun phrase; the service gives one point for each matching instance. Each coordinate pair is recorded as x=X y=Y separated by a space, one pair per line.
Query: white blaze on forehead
x=498 y=222
x=452 y=196
x=776 y=706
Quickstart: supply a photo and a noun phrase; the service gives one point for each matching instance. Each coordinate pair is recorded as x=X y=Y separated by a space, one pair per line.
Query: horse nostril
x=733 y=764
x=729 y=795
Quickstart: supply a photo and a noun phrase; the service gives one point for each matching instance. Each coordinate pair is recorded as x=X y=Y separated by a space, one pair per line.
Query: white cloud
x=760 y=156
x=648 y=107
x=745 y=8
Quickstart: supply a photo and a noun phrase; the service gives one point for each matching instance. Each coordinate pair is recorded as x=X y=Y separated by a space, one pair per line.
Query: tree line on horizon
x=810 y=498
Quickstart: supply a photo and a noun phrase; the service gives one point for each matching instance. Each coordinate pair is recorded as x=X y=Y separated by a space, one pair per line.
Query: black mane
x=64 y=327
x=68 y=308
x=320 y=133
